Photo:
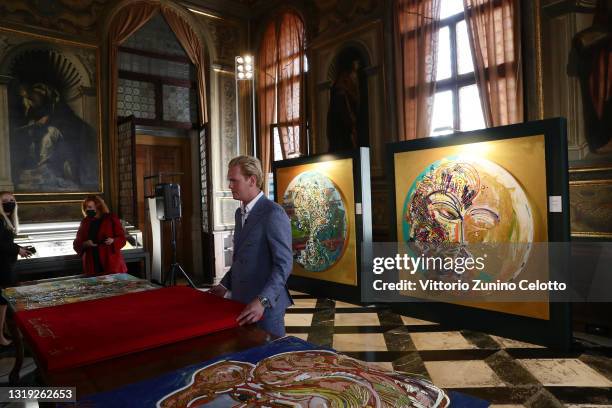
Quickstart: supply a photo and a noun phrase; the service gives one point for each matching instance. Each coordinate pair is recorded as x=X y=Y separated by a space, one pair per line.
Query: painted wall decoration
x=320 y=201
x=318 y=220
x=267 y=376
x=477 y=193
x=53 y=114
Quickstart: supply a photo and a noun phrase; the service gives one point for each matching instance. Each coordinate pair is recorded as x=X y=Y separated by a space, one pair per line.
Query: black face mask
x=9 y=206
x=91 y=213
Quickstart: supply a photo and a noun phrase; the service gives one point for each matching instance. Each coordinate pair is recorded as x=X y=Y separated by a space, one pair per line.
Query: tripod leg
x=186 y=276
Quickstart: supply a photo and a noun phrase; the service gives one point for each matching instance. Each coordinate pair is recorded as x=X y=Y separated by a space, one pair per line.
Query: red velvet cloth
x=82 y=333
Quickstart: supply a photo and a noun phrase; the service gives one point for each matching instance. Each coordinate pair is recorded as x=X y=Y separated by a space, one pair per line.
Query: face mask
x=9 y=206
x=91 y=213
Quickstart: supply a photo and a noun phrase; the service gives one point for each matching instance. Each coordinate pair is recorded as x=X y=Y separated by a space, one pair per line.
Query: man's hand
x=109 y=241
x=252 y=313
x=218 y=290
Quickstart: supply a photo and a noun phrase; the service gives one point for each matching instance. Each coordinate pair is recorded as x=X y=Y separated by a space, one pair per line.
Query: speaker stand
x=175 y=267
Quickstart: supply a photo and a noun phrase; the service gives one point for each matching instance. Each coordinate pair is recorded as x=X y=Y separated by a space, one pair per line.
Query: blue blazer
x=263 y=258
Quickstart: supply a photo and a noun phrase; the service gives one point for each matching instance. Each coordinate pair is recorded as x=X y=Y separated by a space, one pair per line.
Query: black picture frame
x=555 y=332
x=363 y=222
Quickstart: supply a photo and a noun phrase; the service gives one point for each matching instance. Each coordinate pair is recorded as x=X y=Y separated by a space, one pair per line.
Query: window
x=457 y=101
x=281 y=88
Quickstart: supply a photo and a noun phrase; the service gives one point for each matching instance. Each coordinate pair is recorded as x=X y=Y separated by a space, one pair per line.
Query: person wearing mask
x=99 y=239
x=262 y=258
x=9 y=225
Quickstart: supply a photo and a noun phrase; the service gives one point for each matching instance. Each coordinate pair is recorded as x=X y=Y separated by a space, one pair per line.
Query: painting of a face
x=459 y=203
x=463 y=199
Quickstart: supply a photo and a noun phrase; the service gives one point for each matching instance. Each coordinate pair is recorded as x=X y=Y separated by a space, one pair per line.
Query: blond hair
x=249 y=166
x=101 y=206
x=11 y=223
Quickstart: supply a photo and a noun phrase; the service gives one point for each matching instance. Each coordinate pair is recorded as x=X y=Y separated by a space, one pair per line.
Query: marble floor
x=505 y=372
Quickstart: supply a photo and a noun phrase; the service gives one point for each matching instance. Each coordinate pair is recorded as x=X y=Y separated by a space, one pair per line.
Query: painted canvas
x=319 y=199
x=64 y=291
x=267 y=376
x=477 y=193
x=53 y=114
x=318 y=220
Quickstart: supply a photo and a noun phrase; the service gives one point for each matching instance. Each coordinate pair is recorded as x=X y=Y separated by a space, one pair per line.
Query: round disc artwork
x=471 y=201
x=319 y=225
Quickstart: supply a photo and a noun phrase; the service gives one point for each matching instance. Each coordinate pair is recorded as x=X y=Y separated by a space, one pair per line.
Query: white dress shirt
x=245 y=210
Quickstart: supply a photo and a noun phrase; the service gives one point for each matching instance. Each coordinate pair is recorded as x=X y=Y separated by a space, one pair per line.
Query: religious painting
x=590 y=198
x=491 y=186
x=267 y=376
x=320 y=194
x=53 y=115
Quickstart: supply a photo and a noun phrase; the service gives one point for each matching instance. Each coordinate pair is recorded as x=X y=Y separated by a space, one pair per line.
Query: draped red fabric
x=281 y=87
x=86 y=332
x=416 y=32
x=127 y=21
x=494 y=33
x=266 y=91
x=290 y=85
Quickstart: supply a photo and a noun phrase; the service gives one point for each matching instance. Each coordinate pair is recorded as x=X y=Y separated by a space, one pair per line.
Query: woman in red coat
x=100 y=239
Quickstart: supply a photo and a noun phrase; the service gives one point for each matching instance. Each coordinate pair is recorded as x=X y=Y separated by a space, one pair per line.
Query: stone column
x=6 y=182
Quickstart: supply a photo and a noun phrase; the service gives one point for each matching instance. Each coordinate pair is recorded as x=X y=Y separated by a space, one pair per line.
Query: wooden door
x=156 y=154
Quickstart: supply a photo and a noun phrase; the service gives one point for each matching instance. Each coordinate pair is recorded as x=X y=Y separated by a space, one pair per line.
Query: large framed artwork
x=327 y=198
x=51 y=116
x=490 y=186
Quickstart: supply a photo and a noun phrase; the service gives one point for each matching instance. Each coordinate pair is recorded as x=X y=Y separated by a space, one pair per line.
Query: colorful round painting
x=472 y=202
x=319 y=224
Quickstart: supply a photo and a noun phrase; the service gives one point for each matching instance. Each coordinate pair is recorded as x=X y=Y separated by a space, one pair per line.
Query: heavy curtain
x=416 y=31
x=494 y=33
x=281 y=87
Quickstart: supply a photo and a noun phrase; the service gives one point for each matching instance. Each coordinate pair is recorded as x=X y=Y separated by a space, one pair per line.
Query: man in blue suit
x=262 y=258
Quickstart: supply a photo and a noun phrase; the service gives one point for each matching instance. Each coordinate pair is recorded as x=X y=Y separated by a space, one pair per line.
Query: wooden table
x=110 y=374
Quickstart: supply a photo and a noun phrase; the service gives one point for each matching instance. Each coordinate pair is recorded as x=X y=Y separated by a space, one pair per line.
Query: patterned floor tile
x=451 y=340
x=344 y=305
x=462 y=374
x=564 y=372
x=361 y=342
x=356 y=319
x=304 y=303
x=298 y=319
x=411 y=321
x=511 y=343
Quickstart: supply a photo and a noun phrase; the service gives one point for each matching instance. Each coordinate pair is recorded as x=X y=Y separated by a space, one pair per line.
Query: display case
x=55 y=256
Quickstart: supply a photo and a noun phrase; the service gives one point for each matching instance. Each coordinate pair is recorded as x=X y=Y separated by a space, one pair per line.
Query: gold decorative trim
x=592 y=234
x=49 y=38
x=591 y=182
x=49 y=202
x=538 y=46
x=590 y=169
x=224 y=71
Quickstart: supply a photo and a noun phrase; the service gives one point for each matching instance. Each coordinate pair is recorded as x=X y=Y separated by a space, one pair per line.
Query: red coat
x=110 y=255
